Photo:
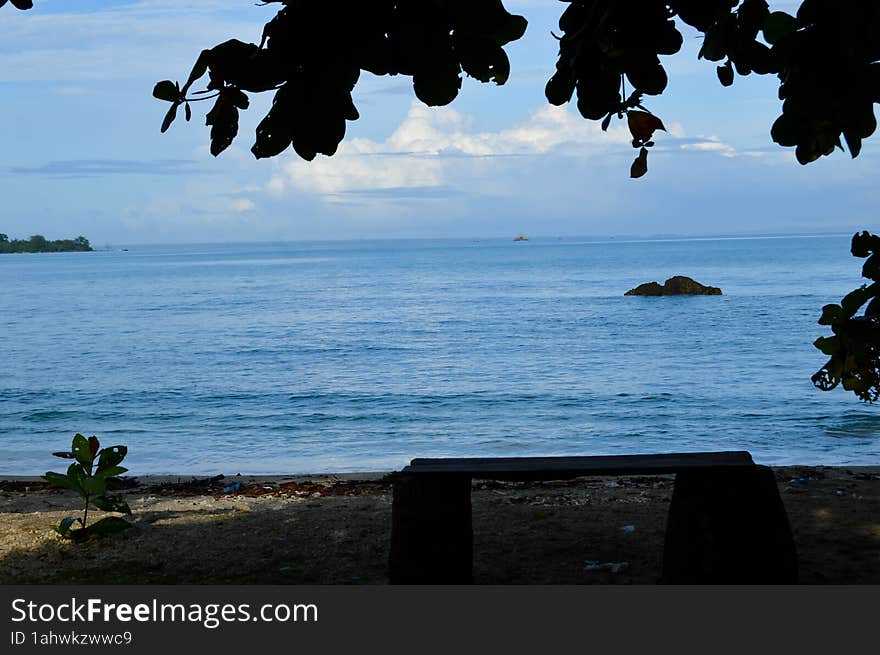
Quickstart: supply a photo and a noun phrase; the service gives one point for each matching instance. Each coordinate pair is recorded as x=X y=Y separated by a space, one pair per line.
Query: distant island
x=39 y=243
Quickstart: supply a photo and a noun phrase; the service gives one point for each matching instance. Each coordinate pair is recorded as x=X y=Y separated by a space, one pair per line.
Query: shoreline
x=373 y=475
x=162 y=478
x=151 y=479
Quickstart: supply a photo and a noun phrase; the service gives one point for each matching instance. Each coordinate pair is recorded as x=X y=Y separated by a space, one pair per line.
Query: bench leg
x=728 y=527
x=431 y=531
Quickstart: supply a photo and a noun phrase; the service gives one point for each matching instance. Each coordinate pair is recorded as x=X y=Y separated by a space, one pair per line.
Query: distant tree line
x=39 y=243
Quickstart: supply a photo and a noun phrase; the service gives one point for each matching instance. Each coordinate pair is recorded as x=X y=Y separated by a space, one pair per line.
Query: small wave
x=48 y=415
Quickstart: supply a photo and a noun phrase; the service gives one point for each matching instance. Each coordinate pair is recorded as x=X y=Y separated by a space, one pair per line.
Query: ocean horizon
x=359 y=355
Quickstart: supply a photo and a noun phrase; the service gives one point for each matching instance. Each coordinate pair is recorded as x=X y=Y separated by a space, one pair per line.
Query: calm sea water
x=353 y=356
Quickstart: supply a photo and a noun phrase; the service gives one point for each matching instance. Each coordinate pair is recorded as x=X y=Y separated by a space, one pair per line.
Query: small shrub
x=88 y=476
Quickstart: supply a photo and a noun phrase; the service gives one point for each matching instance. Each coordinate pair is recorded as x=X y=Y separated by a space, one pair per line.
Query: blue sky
x=82 y=153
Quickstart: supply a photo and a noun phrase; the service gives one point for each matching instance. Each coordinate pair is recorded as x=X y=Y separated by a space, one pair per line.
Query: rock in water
x=646 y=289
x=674 y=286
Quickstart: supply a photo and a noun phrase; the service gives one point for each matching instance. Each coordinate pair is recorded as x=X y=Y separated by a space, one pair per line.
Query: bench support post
x=431 y=533
x=728 y=526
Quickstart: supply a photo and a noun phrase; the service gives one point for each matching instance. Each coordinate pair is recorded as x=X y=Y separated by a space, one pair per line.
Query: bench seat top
x=558 y=468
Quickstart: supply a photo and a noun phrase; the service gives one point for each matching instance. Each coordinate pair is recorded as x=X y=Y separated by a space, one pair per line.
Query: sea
x=346 y=356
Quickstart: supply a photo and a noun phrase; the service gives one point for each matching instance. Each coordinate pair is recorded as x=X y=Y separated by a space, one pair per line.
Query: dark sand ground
x=335 y=530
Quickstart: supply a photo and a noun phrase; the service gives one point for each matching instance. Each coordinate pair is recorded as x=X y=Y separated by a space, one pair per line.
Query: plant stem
x=86 y=511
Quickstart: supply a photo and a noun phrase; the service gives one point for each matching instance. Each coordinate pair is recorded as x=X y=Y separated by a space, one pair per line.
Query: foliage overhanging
x=825 y=57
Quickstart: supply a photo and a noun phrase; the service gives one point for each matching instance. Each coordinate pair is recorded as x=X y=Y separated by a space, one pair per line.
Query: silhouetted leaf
x=865 y=243
x=166 y=90
x=559 y=88
x=640 y=165
x=642 y=124
x=725 y=74
x=64 y=455
x=273 y=132
x=487 y=18
x=437 y=84
x=831 y=314
x=199 y=69
x=853 y=142
x=649 y=78
x=223 y=119
x=482 y=59
x=777 y=26
x=169 y=118
x=853 y=301
x=871 y=269
x=828 y=345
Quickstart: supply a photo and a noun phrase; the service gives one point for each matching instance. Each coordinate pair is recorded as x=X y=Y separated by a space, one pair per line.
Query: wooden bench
x=726 y=523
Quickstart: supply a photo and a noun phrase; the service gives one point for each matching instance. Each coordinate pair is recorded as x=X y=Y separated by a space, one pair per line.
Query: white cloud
x=712 y=144
x=242 y=205
x=435 y=147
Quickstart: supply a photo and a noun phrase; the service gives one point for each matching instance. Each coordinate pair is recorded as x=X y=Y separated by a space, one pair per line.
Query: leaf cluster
x=604 y=45
x=830 y=78
x=312 y=53
x=88 y=475
x=854 y=350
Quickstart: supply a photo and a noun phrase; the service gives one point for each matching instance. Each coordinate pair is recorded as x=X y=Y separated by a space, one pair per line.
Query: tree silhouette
x=855 y=347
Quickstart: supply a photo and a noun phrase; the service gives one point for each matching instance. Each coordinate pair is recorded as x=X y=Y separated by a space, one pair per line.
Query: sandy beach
x=335 y=529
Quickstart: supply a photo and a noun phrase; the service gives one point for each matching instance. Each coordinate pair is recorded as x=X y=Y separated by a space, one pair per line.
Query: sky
x=81 y=152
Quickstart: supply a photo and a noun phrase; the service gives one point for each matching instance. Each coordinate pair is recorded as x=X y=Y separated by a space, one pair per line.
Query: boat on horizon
x=520 y=237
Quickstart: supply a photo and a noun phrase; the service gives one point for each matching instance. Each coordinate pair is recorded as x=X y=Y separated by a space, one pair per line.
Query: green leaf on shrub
x=111 y=456
x=65 y=525
x=95 y=486
x=110 y=472
x=111 y=504
x=81 y=450
x=107 y=525
x=61 y=481
x=76 y=473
